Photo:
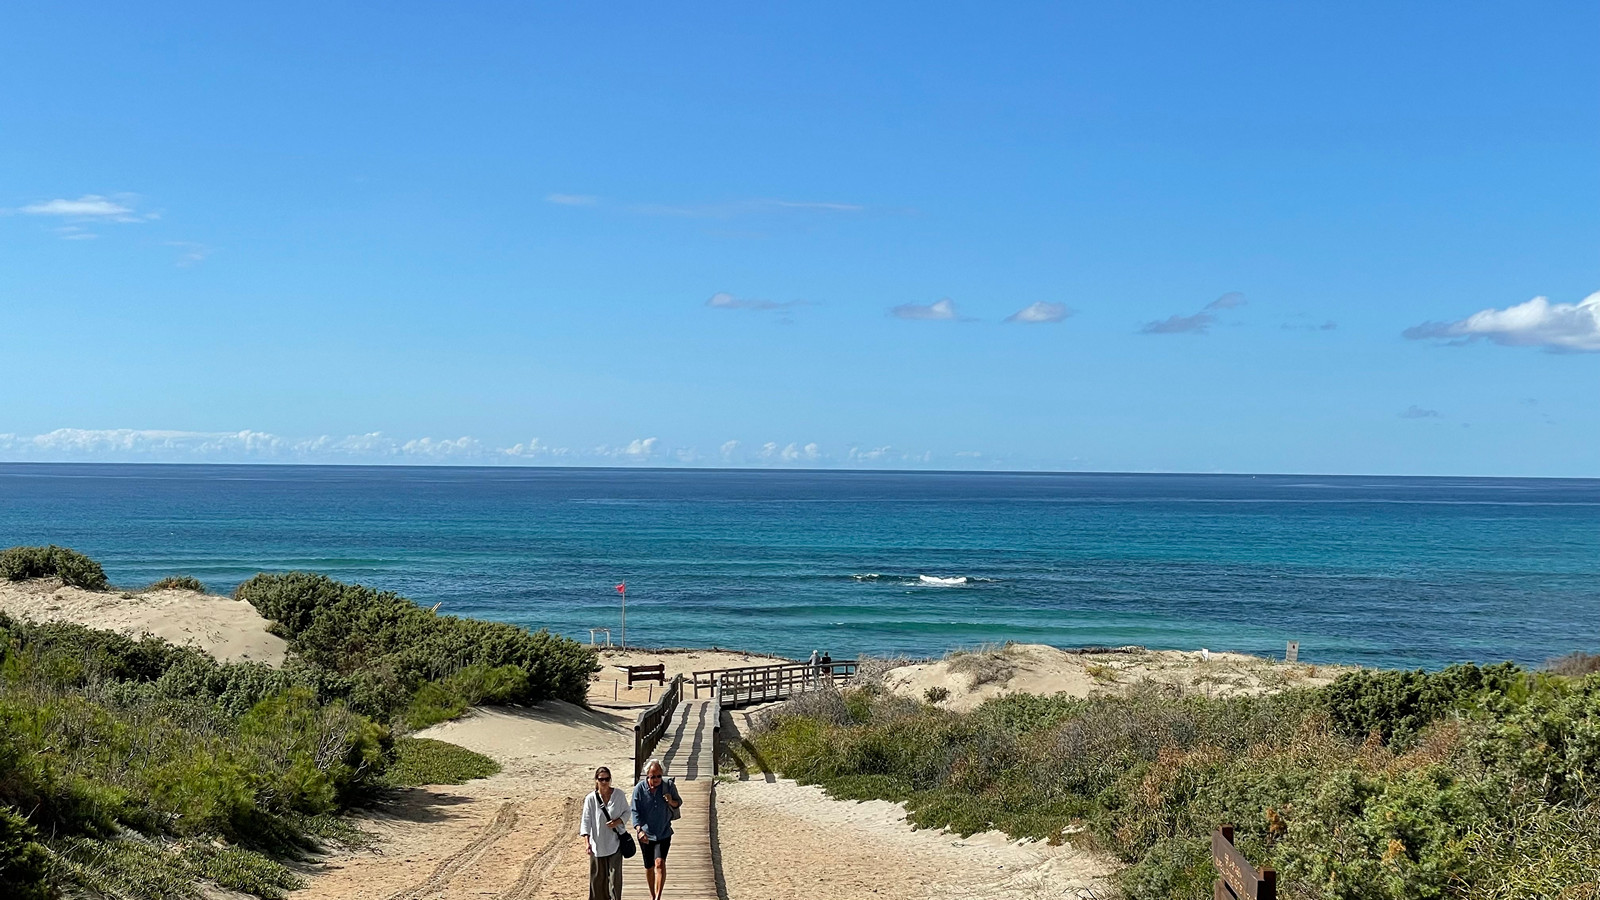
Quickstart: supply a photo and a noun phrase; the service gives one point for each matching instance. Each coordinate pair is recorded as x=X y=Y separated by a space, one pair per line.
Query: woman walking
x=604 y=811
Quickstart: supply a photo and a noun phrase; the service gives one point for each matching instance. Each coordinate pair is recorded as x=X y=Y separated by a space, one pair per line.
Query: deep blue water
x=1381 y=571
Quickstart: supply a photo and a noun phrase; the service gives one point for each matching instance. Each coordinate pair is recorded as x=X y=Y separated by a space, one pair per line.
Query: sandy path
x=782 y=841
x=514 y=836
x=509 y=837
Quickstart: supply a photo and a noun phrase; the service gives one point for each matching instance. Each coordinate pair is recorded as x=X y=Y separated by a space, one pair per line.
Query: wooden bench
x=656 y=673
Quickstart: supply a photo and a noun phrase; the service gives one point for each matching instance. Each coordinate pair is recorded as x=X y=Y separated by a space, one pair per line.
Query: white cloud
x=941 y=311
x=92 y=207
x=636 y=450
x=1416 y=412
x=736 y=208
x=825 y=207
x=874 y=454
x=1200 y=322
x=571 y=199
x=1039 y=313
x=191 y=252
x=1562 y=327
x=1195 y=324
x=725 y=300
x=535 y=449
x=728 y=449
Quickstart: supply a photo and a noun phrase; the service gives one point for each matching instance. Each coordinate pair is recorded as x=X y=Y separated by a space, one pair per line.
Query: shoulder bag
x=624 y=839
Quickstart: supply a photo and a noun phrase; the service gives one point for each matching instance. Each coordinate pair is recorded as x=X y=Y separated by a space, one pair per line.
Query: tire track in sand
x=544 y=861
x=504 y=820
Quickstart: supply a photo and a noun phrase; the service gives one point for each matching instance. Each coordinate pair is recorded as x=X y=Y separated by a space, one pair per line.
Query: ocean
x=1379 y=571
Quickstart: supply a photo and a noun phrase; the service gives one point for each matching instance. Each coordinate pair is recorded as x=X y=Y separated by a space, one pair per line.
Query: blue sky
x=1157 y=237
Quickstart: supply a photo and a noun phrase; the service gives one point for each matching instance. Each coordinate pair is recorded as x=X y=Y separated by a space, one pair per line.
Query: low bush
x=986 y=665
x=72 y=567
x=419 y=761
x=23 y=860
x=1473 y=782
x=135 y=757
x=1396 y=705
x=178 y=583
x=1574 y=665
x=379 y=650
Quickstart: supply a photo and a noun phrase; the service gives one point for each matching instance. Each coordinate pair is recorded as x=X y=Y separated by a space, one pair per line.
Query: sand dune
x=967 y=680
x=230 y=630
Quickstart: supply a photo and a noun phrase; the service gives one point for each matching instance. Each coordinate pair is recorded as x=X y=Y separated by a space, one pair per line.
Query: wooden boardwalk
x=686 y=753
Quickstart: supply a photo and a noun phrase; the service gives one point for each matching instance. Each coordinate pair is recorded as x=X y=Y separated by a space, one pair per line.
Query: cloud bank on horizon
x=376 y=448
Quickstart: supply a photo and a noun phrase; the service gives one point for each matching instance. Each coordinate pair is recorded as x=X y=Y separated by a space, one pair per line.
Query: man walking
x=654 y=801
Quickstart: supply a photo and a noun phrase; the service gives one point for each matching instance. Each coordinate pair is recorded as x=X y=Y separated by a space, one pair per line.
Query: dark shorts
x=654 y=850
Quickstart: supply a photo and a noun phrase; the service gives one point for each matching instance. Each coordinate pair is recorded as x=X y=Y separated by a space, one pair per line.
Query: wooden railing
x=716 y=729
x=653 y=723
x=760 y=684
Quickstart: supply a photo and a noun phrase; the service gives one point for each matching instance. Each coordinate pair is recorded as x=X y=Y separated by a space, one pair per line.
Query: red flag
x=622 y=588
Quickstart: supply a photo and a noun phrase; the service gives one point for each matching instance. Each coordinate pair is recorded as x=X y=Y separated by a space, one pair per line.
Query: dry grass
x=1574 y=665
x=986 y=665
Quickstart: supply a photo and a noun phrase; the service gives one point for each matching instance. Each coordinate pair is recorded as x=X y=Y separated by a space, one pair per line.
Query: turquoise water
x=1381 y=571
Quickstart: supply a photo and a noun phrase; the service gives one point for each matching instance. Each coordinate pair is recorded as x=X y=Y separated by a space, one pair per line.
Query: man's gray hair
x=654 y=764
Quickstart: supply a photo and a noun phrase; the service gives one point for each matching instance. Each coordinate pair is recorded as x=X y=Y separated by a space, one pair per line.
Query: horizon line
x=787 y=469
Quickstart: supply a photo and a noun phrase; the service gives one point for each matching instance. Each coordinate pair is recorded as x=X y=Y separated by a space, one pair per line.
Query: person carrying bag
x=607 y=841
x=655 y=804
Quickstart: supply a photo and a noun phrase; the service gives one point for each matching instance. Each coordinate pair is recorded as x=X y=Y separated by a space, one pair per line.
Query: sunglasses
x=604 y=778
x=653 y=777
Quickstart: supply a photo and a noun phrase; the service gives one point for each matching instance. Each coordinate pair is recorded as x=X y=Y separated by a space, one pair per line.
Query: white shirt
x=602 y=840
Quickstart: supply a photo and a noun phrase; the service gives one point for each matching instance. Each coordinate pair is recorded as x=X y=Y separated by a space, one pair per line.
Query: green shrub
x=1550 y=744
x=419 y=761
x=136 y=758
x=378 y=649
x=1397 y=705
x=72 y=567
x=23 y=860
x=1497 y=802
x=936 y=694
x=178 y=583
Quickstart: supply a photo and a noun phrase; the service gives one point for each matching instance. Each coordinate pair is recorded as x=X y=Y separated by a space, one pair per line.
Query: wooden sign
x=1239 y=880
x=1292 y=654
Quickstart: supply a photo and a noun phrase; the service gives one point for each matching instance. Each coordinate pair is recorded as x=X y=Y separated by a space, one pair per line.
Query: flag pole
x=623 y=590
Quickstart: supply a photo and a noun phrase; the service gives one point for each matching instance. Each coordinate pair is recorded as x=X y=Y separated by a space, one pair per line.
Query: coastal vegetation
x=390 y=659
x=178 y=583
x=1470 y=782
x=135 y=768
x=72 y=567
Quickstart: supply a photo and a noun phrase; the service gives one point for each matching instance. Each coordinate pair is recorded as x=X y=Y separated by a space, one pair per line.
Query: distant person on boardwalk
x=654 y=801
x=604 y=811
x=814 y=673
